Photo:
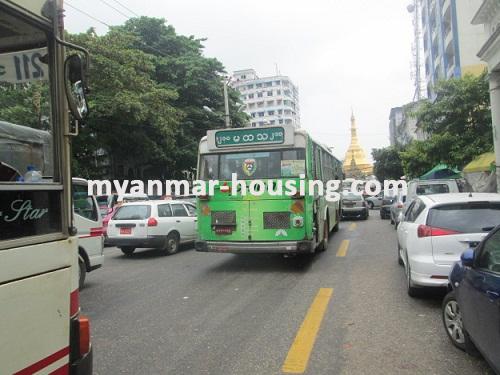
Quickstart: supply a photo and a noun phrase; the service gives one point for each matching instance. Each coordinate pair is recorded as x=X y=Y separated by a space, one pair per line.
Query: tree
x=458 y=124
x=387 y=163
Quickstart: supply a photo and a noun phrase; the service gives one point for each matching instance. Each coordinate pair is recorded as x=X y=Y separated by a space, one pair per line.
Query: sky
x=342 y=54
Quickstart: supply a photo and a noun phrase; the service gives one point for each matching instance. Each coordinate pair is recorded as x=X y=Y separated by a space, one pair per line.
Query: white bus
x=41 y=329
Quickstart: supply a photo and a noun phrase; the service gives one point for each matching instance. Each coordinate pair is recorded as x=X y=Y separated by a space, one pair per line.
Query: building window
x=280 y=121
x=251 y=105
x=270 y=113
x=261 y=114
x=269 y=84
x=258 y=85
x=249 y=87
x=278 y=92
x=279 y=101
x=243 y=76
x=261 y=123
x=259 y=95
x=288 y=121
x=280 y=111
x=250 y=96
x=272 y=122
x=260 y=104
x=270 y=93
x=253 y=124
x=277 y=83
x=253 y=114
x=270 y=103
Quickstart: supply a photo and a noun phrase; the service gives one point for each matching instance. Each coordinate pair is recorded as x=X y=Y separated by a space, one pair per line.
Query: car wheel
x=127 y=250
x=171 y=244
x=336 y=227
x=453 y=324
x=412 y=291
x=371 y=205
x=400 y=260
x=82 y=273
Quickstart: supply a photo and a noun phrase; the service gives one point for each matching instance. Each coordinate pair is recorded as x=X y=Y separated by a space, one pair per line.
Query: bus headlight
x=298 y=222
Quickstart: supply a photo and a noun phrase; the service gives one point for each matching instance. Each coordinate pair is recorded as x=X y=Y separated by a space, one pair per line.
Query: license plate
x=125 y=230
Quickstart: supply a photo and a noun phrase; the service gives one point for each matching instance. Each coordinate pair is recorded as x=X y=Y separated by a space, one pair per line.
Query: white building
x=403 y=125
x=450 y=40
x=268 y=100
x=488 y=14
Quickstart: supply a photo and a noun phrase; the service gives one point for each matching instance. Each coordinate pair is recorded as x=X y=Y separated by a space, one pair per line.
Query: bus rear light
x=152 y=222
x=428 y=231
x=84 y=334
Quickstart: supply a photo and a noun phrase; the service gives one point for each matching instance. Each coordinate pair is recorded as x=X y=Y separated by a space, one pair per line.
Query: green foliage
x=387 y=163
x=149 y=87
x=458 y=125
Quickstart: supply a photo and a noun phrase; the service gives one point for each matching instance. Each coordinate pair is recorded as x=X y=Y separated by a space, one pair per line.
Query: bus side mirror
x=75 y=85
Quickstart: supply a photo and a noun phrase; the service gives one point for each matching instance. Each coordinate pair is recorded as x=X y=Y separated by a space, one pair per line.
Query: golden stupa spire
x=355 y=161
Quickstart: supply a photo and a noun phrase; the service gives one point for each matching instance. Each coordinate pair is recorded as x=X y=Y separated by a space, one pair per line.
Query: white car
x=88 y=221
x=152 y=224
x=437 y=228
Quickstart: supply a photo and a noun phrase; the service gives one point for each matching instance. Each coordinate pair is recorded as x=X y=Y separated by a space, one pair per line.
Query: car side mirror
x=467 y=258
x=75 y=86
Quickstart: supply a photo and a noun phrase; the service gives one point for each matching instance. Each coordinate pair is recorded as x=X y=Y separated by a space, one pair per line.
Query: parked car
x=471 y=310
x=152 y=224
x=374 y=201
x=88 y=222
x=385 y=208
x=436 y=229
x=397 y=208
x=354 y=206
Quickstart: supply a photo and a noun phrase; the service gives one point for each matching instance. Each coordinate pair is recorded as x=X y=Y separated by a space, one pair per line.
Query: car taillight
x=152 y=222
x=84 y=334
x=400 y=205
x=428 y=231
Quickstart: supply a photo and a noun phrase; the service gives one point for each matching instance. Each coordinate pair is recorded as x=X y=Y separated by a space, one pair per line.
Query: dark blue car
x=471 y=310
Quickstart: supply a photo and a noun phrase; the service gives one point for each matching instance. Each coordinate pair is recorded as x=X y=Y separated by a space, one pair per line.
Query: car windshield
x=466 y=218
x=132 y=212
x=254 y=165
x=432 y=189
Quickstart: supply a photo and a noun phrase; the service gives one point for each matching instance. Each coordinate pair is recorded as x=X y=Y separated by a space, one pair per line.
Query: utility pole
x=226 y=102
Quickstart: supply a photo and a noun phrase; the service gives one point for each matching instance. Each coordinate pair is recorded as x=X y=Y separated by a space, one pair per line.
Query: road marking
x=344 y=246
x=300 y=351
x=352 y=226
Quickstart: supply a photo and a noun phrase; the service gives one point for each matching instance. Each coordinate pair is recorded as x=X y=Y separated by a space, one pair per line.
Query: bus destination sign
x=257 y=136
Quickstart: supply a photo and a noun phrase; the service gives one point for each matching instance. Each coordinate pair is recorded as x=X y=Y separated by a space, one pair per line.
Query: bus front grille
x=226 y=218
x=276 y=220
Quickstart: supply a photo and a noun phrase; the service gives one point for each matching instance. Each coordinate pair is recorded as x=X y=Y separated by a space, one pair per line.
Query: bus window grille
x=276 y=220
x=224 y=218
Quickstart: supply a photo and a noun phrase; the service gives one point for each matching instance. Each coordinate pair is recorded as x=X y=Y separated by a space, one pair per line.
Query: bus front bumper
x=281 y=247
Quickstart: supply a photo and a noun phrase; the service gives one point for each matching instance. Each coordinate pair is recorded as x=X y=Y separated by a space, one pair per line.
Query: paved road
x=198 y=313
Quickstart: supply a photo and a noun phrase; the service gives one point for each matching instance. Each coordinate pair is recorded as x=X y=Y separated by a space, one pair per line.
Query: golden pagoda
x=355 y=163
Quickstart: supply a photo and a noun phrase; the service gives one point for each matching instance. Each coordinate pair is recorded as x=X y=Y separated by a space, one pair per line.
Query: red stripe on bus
x=64 y=370
x=35 y=367
x=74 y=302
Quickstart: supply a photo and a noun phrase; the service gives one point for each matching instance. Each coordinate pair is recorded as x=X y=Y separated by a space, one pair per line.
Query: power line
x=124 y=7
x=87 y=14
x=115 y=9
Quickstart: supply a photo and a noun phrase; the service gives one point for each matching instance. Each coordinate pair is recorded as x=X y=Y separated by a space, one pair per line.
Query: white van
x=88 y=222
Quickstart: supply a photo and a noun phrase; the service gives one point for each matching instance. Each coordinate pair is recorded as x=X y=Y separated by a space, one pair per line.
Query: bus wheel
x=324 y=244
x=82 y=272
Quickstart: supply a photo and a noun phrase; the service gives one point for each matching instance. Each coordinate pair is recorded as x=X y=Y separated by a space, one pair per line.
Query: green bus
x=265 y=223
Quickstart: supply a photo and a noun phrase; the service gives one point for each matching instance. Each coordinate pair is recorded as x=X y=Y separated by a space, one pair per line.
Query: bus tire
x=82 y=272
x=337 y=220
x=324 y=243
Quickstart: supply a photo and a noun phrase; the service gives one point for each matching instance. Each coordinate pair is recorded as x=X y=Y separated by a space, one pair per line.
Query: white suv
x=436 y=229
x=152 y=224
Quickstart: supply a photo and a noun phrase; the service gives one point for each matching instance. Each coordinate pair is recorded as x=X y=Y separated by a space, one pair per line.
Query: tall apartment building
x=450 y=40
x=268 y=100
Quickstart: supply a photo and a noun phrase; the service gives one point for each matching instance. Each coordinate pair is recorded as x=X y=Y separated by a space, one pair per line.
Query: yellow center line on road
x=352 y=226
x=344 y=246
x=300 y=351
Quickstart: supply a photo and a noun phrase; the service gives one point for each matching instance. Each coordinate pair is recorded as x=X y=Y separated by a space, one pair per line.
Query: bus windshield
x=253 y=165
x=25 y=105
